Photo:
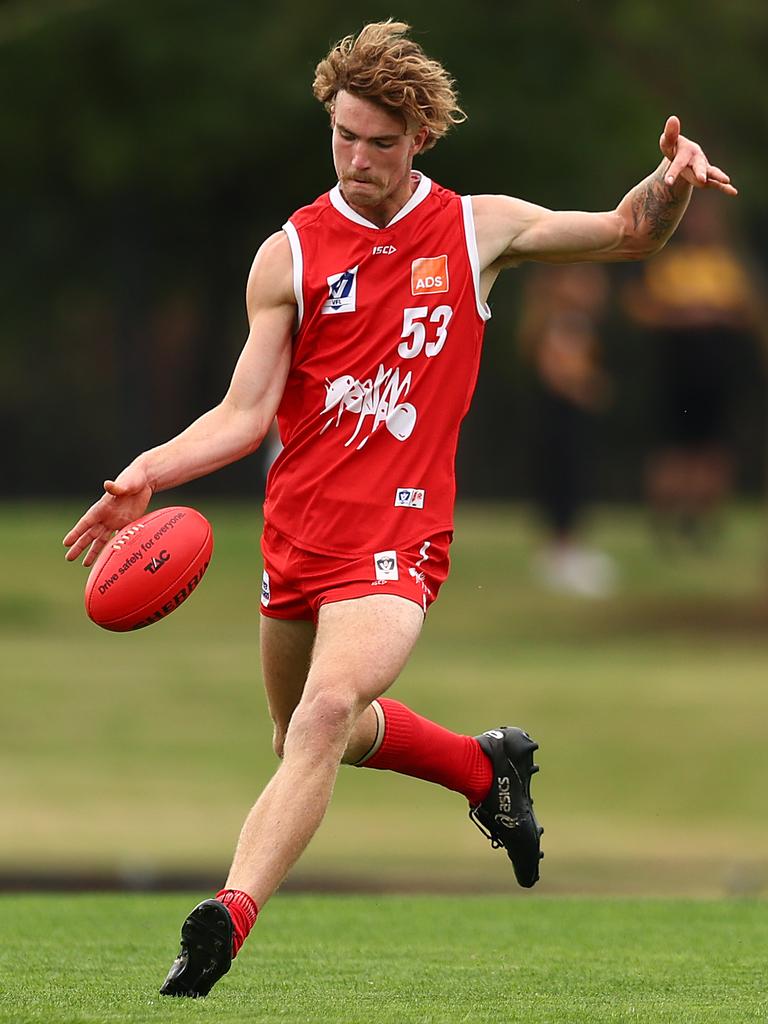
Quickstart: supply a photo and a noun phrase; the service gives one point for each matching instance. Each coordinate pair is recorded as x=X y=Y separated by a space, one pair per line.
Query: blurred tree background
x=148 y=148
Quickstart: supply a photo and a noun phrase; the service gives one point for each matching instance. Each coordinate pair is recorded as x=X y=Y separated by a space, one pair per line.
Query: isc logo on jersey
x=429 y=275
x=342 y=292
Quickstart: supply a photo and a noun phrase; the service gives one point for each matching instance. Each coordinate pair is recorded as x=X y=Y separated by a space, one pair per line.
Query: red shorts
x=298 y=583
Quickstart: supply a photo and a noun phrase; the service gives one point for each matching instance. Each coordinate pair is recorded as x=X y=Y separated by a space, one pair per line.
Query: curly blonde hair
x=382 y=65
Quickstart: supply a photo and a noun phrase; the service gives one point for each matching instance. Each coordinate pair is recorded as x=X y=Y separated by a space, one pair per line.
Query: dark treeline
x=148 y=148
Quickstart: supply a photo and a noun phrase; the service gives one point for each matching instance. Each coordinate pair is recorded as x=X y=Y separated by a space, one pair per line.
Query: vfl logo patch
x=429 y=275
x=265 y=594
x=342 y=292
x=409 y=497
x=385 y=565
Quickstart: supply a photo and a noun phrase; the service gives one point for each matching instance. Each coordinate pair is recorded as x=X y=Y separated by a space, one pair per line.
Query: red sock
x=413 y=745
x=243 y=912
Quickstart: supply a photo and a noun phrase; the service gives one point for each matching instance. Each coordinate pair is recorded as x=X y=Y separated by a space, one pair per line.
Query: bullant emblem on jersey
x=429 y=275
x=374 y=401
x=342 y=292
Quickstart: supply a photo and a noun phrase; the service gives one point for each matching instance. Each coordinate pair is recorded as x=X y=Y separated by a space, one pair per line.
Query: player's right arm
x=231 y=430
x=510 y=230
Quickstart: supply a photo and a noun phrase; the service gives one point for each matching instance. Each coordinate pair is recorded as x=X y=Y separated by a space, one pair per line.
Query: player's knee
x=327 y=713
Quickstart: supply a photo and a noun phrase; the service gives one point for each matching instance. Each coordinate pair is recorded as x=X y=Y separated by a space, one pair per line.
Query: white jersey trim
x=483 y=309
x=298 y=270
x=420 y=194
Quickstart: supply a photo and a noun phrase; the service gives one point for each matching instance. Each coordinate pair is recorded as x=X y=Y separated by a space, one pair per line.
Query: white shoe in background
x=575 y=570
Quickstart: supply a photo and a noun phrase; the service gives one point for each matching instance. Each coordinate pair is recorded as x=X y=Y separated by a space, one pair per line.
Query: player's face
x=372 y=151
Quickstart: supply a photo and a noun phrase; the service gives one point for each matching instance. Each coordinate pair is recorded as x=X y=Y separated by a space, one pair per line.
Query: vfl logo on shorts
x=409 y=497
x=265 y=592
x=385 y=565
x=429 y=275
x=342 y=292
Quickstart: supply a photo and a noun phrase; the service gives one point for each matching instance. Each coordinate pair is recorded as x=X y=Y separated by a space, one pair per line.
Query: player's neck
x=382 y=213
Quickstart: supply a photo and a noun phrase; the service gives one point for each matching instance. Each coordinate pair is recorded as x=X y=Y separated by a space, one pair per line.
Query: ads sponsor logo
x=265 y=592
x=385 y=565
x=409 y=497
x=429 y=276
x=342 y=292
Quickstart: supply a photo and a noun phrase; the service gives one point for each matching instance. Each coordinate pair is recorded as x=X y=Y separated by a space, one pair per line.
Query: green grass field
x=394 y=960
x=136 y=753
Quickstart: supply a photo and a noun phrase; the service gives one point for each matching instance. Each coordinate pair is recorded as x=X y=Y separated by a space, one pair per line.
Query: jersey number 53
x=415 y=331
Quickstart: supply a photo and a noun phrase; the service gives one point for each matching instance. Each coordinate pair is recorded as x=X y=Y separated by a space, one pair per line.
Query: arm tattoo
x=656 y=203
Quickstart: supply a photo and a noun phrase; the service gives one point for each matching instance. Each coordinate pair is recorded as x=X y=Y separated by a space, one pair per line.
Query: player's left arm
x=510 y=230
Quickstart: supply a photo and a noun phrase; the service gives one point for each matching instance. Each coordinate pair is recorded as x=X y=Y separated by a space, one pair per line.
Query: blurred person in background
x=562 y=309
x=704 y=317
x=366 y=318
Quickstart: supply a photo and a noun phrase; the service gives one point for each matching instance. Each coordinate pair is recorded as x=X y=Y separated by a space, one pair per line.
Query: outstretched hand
x=124 y=500
x=689 y=161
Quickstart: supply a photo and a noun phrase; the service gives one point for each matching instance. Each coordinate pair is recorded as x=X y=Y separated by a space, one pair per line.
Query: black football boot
x=506 y=815
x=205 y=954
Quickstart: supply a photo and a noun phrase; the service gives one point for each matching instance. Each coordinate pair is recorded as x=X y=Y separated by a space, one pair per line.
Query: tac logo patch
x=429 y=275
x=385 y=565
x=342 y=292
x=409 y=497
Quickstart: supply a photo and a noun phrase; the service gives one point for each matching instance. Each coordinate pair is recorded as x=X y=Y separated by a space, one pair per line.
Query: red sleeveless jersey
x=385 y=359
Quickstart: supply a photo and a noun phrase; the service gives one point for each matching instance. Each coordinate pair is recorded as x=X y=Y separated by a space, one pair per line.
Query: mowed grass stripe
x=394 y=959
x=650 y=710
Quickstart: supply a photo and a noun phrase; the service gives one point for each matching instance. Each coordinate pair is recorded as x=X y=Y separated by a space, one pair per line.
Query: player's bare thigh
x=361 y=647
x=286 y=652
x=366 y=641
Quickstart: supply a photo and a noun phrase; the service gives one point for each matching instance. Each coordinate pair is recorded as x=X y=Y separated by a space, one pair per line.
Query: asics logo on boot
x=497 y=735
x=505 y=803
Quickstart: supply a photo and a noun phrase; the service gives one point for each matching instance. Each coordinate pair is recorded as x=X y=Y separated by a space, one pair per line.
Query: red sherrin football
x=148 y=569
